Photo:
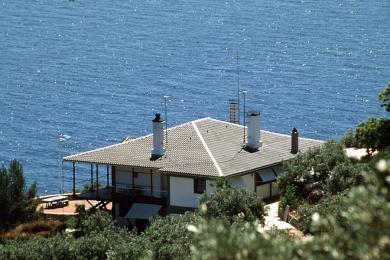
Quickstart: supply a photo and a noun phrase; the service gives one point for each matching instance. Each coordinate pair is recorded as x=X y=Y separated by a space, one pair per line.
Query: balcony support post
x=92 y=177
x=151 y=183
x=108 y=177
x=97 y=180
x=74 y=178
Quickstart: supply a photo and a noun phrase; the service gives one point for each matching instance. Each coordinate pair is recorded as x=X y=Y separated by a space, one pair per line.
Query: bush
x=309 y=171
x=343 y=177
x=97 y=221
x=168 y=237
x=230 y=203
x=348 y=140
x=290 y=198
x=373 y=134
x=218 y=239
x=329 y=205
x=34 y=229
x=129 y=246
x=364 y=232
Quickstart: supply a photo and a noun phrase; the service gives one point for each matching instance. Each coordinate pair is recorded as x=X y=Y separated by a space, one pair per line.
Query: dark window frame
x=199 y=185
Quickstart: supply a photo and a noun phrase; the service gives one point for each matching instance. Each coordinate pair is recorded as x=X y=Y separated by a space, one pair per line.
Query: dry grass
x=40 y=228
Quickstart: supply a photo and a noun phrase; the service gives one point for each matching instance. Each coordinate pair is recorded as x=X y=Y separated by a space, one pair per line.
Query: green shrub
x=129 y=246
x=329 y=205
x=384 y=96
x=231 y=203
x=373 y=134
x=344 y=176
x=289 y=197
x=97 y=221
x=348 y=140
x=168 y=237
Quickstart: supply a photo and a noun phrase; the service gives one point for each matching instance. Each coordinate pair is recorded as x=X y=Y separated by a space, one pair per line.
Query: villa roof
x=207 y=147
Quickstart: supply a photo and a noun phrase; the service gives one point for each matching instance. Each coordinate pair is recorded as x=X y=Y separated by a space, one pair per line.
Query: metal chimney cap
x=253 y=113
x=158 y=118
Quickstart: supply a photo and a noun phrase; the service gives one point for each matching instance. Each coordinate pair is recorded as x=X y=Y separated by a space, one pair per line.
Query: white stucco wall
x=243 y=182
x=182 y=192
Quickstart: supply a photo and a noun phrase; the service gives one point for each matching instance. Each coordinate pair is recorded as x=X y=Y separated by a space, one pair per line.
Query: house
x=150 y=174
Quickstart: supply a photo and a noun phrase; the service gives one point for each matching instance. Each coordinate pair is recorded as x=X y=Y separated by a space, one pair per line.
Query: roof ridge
x=225 y=122
x=207 y=148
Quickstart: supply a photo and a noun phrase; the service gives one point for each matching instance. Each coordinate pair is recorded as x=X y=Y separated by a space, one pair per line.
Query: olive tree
x=385 y=98
x=18 y=202
x=373 y=134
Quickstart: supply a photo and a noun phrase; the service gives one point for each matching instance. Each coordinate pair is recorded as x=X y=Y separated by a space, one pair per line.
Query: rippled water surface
x=97 y=70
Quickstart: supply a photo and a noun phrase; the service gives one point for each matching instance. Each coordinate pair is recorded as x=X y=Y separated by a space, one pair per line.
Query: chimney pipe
x=158 y=136
x=253 y=140
x=294 y=141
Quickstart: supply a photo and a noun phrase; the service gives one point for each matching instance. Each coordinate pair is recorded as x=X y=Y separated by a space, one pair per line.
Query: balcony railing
x=140 y=190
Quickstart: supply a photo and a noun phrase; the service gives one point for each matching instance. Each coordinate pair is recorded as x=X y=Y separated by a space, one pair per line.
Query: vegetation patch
x=39 y=228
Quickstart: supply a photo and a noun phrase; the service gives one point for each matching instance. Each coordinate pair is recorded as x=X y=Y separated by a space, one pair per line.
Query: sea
x=78 y=75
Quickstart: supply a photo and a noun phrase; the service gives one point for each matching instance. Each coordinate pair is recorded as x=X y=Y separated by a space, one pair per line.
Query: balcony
x=139 y=190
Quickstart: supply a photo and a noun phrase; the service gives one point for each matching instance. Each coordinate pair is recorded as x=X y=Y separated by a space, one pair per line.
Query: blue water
x=97 y=70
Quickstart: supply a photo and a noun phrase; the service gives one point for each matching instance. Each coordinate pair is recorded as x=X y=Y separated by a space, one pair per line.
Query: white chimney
x=253 y=141
x=158 y=136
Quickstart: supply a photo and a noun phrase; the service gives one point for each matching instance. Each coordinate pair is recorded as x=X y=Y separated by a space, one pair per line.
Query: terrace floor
x=70 y=209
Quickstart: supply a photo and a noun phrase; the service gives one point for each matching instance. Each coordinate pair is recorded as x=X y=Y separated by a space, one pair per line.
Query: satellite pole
x=166 y=99
x=62 y=138
x=243 y=94
x=238 y=83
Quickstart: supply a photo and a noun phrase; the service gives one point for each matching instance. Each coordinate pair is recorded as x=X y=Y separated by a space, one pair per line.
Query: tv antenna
x=244 y=92
x=238 y=80
x=166 y=100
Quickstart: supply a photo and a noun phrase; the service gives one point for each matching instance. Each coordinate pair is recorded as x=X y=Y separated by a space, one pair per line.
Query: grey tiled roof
x=206 y=147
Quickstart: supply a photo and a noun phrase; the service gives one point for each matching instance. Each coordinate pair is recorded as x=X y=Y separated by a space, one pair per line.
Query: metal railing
x=134 y=190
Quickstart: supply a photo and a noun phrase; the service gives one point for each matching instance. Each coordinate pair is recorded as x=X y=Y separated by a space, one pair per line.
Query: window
x=199 y=186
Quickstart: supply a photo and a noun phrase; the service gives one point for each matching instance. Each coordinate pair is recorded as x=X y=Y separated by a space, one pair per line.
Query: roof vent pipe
x=158 y=136
x=254 y=141
x=294 y=141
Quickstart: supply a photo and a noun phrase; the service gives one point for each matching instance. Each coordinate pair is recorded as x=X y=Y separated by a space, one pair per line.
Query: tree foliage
x=347 y=220
x=230 y=203
x=317 y=172
x=290 y=198
x=354 y=226
x=17 y=202
x=359 y=229
x=373 y=133
x=168 y=237
x=385 y=98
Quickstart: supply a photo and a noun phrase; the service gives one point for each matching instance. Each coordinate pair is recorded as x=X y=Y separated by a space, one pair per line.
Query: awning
x=143 y=211
x=278 y=170
x=267 y=175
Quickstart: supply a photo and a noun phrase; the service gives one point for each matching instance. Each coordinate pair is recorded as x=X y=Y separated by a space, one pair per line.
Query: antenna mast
x=238 y=80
